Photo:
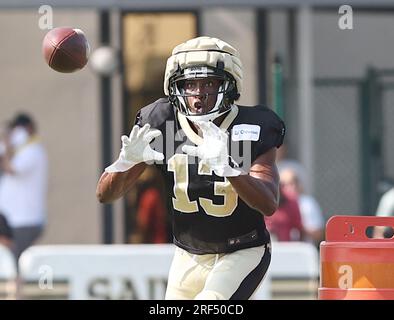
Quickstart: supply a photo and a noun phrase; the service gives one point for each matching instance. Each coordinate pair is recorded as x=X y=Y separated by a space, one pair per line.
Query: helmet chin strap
x=206 y=117
x=203 y=117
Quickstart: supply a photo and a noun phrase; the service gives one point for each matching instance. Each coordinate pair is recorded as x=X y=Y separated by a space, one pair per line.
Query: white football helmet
x=203 y=57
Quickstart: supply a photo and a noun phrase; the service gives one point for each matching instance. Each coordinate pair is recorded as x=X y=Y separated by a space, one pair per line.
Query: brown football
x=66 y=49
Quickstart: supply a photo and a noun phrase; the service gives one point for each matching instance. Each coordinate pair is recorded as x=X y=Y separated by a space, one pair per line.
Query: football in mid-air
x=66 y=49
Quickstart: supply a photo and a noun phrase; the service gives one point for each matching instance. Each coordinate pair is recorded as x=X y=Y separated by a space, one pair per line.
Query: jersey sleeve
x=156 y=114
x=138 y=120
x=141 y=118
x=272 y=133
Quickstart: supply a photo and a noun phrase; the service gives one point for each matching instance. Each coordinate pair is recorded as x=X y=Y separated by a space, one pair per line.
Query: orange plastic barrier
x=354 y=266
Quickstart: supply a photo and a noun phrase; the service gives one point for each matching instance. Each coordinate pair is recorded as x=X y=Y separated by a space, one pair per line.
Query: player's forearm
x=112 y=186
x=258 y=194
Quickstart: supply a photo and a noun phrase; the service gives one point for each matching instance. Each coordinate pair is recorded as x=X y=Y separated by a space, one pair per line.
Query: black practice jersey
x=208 y=215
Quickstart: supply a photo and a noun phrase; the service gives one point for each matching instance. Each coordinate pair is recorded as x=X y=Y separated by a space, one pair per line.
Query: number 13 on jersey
x=178 y=164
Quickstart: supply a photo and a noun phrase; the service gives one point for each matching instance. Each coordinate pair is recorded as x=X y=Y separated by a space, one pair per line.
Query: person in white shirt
x=311 y=213
x=23 y=185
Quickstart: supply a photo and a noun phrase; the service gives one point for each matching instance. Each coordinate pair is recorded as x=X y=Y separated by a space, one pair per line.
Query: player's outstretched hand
x=214 y=150
x=136 y=149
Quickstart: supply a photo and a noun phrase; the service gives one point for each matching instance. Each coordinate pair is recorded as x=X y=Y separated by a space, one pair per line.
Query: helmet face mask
x=202 y=93
x=212 y=71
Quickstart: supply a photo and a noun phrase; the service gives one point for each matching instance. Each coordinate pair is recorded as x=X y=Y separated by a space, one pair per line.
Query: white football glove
x=213 y=152
x=136 y=149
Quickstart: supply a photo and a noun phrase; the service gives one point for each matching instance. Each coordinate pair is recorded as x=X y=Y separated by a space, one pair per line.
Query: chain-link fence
x=337 y=146
x=388 y=129
x=354 y=157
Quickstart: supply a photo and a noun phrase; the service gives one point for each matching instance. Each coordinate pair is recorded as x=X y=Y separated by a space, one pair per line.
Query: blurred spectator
x=285 y=224
x=151 y=211
x=385 y=209
x=23 y=185
x=283 y=162
x=311 y=214
x=5 y=233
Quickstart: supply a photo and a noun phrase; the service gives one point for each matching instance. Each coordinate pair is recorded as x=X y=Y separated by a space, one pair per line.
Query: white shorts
x=234 y=275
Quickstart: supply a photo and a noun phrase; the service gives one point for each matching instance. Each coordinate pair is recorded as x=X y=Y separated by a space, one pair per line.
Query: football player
x=222 y=245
